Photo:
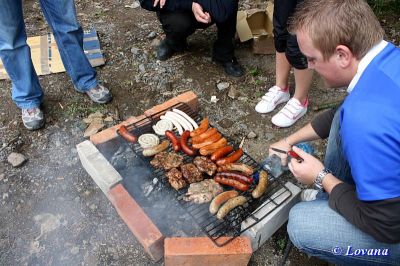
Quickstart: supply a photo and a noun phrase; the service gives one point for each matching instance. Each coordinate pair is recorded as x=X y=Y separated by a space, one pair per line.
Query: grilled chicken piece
x=203 y=191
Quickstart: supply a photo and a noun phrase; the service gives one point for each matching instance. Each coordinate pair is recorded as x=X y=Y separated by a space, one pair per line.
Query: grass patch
x=385 y=7
x=254 y=72
x=76 y=109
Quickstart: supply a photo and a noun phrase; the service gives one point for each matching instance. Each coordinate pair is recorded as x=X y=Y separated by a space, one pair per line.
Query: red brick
x=201 y=251
x=138 y=222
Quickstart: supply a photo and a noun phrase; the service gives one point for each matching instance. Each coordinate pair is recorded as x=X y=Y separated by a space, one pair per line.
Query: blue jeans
x=320 y=231
x=16 y=55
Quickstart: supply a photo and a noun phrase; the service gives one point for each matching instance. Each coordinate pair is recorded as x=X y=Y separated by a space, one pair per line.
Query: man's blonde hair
x=330 y=23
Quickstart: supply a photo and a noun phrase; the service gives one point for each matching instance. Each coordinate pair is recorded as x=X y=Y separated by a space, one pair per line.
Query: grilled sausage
x=241 y=167
x=212 y=139
x=185 y=147
x=236 y=176
x=204 y=124
x=209 y=149
x=231 y=158
x=232 y=183
x=221 y=199
x=221 y=152
x=262 y=185
x=230 y=205
x=176 y=145
x=123 y=131
x=157 y=149
x=202 y=137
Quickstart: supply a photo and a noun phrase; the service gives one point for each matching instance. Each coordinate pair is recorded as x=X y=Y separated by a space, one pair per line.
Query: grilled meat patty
x=203 y=191
x=167 y=160
x=175 y=179
x=205 y=165
x=191 y=173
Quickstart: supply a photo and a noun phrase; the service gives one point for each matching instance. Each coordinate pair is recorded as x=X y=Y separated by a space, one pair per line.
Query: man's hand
x=282 y=145
x=162 y=3
x=307 y=170
x=200 y=16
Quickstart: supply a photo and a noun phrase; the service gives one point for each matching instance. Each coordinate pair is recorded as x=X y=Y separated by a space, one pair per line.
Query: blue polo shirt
x=370 y=128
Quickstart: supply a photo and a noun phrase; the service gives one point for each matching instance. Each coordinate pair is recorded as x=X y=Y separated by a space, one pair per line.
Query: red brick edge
x=138 y=222
x=200 y=251
x=190 y=98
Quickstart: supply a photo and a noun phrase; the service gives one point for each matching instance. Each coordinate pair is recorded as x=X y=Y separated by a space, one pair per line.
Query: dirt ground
x=51 y=212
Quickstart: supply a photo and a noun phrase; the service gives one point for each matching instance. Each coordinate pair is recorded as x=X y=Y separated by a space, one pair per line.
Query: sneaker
x=308 y=194
x=98 y=94
x=32 y=118
x=290 y=113
x=272 y=98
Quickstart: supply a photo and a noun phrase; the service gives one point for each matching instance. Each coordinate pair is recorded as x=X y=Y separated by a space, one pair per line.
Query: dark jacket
x=220 y=10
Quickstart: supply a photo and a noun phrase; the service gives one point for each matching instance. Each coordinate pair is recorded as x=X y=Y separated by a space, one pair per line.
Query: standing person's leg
x=297 y=106
x=16 y=56
x=279 y=93
x=177 y=26
x=61 y=16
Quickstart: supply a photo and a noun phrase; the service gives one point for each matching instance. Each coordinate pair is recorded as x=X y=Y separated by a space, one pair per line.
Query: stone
x=269 y=136
x=233 y=93
x=142 y=68
x=16 y=159
x=214 y=99
x=225 y=123
x=108 y=119
x=222 y=86
x=135 y=51
x=151 y=35
x=2 y=176
x=251 y=135
x=93 y=129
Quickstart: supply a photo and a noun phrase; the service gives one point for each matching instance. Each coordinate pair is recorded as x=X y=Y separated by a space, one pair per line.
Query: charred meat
x=205 y=165
x=191 y=173
x=167 y=160
x=175 y=179
x=203 y=191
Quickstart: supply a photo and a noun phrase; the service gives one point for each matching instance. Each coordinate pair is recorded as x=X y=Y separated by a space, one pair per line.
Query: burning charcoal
x=191 y=173
x=205 y=165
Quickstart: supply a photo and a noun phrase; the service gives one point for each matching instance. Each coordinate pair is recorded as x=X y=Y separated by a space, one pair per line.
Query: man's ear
x=344 y=56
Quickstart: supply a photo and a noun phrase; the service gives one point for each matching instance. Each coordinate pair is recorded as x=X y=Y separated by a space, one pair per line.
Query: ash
x=151 y=191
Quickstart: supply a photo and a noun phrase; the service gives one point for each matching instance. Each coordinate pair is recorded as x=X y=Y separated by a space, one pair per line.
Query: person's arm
x=380 y=219
x=220 y=10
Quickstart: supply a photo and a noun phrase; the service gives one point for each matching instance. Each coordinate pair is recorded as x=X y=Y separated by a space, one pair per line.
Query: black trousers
x=178 y=25
x=284 y=41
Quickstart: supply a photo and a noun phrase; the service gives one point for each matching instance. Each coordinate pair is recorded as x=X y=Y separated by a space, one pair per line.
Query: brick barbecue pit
x=150 y=208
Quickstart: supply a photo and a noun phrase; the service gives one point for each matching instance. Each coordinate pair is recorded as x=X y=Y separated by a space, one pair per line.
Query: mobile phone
x=295 y=156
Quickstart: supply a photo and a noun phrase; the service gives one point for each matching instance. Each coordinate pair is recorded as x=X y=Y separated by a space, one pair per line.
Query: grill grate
x=231 y=226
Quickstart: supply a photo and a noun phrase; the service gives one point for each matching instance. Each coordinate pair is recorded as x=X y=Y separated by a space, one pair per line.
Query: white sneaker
x=290 y=113
x=271 y=99
x=308 y=194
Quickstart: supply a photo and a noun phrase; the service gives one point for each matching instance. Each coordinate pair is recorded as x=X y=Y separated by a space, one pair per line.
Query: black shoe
x=164 y=51
x=232 y=68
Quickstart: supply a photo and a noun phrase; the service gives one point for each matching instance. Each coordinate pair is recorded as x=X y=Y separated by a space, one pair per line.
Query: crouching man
x=181 y=18
x=354 y=218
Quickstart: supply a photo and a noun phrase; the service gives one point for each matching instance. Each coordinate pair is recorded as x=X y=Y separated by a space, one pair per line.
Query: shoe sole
x=297 y=119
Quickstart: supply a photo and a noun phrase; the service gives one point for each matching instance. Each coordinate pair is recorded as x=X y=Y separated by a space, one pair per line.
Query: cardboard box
x=256 y=25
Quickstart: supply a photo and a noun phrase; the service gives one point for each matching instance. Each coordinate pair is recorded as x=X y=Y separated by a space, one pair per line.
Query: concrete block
x=262 y=231
x=97 y=166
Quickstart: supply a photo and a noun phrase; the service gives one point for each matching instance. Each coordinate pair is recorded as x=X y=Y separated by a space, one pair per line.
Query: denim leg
x=16 y=56
x=61 y=16
x=335 y=159
x=317 y=230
